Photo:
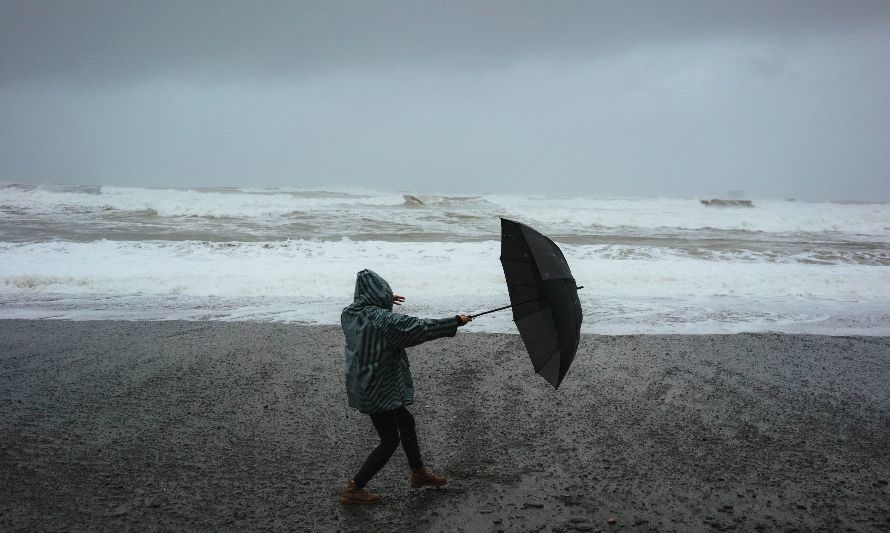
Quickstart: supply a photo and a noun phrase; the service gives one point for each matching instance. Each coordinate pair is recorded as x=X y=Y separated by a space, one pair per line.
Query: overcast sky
x=666 y=98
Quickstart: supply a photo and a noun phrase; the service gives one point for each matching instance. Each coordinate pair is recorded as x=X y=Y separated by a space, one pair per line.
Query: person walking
x=378 y=378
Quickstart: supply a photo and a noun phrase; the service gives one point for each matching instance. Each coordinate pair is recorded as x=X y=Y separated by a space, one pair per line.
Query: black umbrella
x=544 y=299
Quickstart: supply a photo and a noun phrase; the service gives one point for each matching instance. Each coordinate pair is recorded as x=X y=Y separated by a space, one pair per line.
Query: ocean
x=648 y=265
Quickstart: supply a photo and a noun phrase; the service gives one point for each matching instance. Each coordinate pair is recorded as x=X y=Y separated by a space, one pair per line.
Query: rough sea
x=648 y=265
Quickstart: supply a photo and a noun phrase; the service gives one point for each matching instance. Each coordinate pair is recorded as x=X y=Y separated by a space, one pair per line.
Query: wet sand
x=244 y=426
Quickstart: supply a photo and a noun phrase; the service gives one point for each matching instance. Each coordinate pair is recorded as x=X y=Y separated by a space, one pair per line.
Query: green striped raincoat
x=378 y=376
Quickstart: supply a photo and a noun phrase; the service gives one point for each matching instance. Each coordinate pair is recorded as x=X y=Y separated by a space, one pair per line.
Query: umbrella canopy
x=544 y=298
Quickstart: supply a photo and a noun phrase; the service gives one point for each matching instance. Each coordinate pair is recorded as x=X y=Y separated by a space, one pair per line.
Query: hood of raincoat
x=373 y=290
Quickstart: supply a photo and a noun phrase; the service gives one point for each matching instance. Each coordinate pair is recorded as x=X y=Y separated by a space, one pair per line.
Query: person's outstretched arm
x=403 y=331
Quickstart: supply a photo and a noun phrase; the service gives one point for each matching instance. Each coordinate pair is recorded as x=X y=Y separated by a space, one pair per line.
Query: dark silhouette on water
x=720 y=202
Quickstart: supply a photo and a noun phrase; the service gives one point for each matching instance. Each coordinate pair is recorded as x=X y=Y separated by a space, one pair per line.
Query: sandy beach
x=244 y=426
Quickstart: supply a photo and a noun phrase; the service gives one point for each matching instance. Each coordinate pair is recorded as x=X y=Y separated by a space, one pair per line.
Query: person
x=378 y=377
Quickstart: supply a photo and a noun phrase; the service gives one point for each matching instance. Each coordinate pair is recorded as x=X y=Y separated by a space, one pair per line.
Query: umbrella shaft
x=505 y=307
x=509 y=306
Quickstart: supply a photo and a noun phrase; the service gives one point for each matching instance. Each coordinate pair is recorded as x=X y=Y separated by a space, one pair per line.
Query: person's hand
x=396 y=299
x=464 y=319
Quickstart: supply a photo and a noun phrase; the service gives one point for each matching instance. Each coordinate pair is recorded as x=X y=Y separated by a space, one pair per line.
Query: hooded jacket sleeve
x=401 y=331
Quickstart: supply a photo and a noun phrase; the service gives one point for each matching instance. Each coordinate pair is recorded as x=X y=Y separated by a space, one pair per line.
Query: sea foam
x=311 y=281
x=648 y=264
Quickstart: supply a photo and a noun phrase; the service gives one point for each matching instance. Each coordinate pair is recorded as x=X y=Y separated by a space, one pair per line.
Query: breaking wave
x=649 y=264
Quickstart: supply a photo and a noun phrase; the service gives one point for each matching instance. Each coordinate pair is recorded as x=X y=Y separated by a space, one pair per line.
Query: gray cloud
x=89 y=40
x=653 y=98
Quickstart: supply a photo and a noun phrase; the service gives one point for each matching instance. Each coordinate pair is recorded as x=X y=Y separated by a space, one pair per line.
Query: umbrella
x=544 y=298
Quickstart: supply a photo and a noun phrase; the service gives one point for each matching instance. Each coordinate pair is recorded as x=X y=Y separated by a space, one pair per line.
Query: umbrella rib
x=555 y=354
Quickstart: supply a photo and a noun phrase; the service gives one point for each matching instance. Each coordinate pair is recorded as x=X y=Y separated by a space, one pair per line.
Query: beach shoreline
x=116 y=425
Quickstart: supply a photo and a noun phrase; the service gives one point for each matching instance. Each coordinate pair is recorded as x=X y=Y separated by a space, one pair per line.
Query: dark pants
x=393 y=427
